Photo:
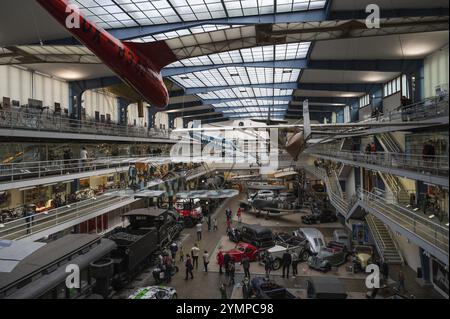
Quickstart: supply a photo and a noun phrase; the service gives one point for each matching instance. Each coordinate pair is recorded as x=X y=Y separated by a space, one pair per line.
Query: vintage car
x=155 y=292
x=320 y=216
x=313 y=236
x=258 y=236
x=334 y=255
x=264 y=288
x=342 y=236
x=300 y=252
x=241 y=250
x=362 y=256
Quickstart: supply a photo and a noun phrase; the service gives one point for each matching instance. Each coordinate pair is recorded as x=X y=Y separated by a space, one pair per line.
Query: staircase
x=384 y=242
x=396 y=187
x=389 y=143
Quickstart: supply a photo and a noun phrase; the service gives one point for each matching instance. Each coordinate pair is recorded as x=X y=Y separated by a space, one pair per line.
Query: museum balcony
x=431 y=108
x=62 y=218
x=430 y=169
x=27 y=122
x=424 y=230
x=28 y=174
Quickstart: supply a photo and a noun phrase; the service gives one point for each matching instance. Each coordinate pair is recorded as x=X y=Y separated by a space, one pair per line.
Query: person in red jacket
x=220 y=261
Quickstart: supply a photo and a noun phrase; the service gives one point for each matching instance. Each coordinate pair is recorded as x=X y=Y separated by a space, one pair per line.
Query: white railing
x=36 y=120
x=434 y=165
x=27 y=170
x=26 y=226
x=424 y=228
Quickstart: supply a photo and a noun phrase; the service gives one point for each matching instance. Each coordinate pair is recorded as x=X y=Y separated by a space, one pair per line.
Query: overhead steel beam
x=198 y=90
x=205 y=115
x=353 y=65
x=286 y=98
x=288 y=17
x=181 y=106
x=298 y=100
x=189 y=113
x=292 y=64
x=342 y=87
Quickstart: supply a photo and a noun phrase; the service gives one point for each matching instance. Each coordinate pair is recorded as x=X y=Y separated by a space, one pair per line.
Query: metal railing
x=434 y=165
x=29 y=170
x=434 y=107
x=26 y=226
x=36 y=120
x=424 y=228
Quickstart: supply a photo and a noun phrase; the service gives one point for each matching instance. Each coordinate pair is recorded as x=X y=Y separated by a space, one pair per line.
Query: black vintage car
x=258 y=236
x=262 y=288
x=320 y=214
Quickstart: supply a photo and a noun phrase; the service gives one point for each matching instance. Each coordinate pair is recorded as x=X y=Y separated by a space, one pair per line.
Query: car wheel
x=305 y=256
x=276 y=264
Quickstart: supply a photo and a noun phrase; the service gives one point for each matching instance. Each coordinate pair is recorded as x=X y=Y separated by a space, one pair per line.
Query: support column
x=123 y=110
x=171 y=121
x=152 y=111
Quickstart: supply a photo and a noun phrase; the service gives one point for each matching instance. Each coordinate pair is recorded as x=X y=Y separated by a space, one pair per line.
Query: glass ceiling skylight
x=131 y=13
x=280 y=52
x=237 y=76
x=250 y=102
x=244 y=92
x=184 y=32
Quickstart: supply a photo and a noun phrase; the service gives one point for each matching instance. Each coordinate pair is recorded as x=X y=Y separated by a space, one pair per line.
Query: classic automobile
x=241 y=250
x=320 y=216
x=258 y=236
x=341 y=236
x=333 y=255
x=362 y=256
x=300 y=252
x=155 y=292
x=264 y=288
x=313 y=236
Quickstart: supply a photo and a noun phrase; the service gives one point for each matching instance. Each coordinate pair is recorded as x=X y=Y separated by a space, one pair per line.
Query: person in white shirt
x=206 y=260
x=199 y=227
x=83 y=156
x=195 y=251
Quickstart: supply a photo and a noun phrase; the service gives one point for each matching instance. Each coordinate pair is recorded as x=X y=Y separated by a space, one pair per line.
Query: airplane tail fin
x=306 y=120
x=158 y=52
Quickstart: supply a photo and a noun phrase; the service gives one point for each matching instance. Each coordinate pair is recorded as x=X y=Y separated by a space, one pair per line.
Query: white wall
x=133 y=114
x=102 y=102
x=20 y=84
x=161 y=118
x=179 y=122
x=436 y=71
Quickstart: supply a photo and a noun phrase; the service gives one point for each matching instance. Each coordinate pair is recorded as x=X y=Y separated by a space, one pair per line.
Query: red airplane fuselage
x=132 y=65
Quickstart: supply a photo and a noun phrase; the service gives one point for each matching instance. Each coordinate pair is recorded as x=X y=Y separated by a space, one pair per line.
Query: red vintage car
x=242 y=249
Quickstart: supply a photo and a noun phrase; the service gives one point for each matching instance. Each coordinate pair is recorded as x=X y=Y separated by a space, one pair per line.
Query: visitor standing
x=286 y=261
x=199 y=227
x=220 y=261
x=231 y=271
x=195 y=251
x=215 y=224
x=206 y=260
x=239 y=215
x=246 y=265
x=189 y=267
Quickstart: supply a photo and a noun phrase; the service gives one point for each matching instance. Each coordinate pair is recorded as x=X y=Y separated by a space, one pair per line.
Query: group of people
x=229 y=217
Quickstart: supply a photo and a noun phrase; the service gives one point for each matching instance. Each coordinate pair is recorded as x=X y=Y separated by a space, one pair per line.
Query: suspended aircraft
x=137 y=64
